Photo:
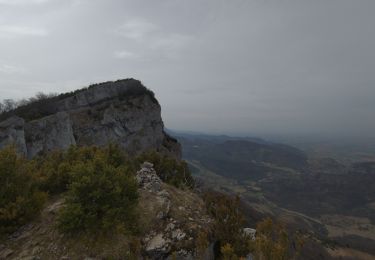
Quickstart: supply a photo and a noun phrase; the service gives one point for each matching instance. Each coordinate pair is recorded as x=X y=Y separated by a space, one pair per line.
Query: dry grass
x=41 y=238
x=339 y=225
x=349 y=254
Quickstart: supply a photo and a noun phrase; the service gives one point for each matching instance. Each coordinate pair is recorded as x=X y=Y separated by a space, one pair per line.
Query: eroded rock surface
x=121 y=112
x=12 y=132
x=178 y=216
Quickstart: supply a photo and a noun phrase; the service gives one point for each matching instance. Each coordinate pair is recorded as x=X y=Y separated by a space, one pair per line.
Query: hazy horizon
x=252 y=68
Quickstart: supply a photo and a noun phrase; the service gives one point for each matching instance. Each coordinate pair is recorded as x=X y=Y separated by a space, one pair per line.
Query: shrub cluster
x=102 y=195
x=273 y=241
x=98 y=183
x=170 y=170
x=229 y=222
x=20 y=198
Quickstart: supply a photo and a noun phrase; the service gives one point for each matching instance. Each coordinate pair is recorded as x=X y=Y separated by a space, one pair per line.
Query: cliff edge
x=122 y=112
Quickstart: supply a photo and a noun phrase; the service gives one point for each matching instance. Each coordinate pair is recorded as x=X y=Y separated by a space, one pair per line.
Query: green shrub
x=229 y=222
x=99 y=184
x=102 y=195
x=170 y=170
x=20 y=199
x=53 y=172
x=274 y=242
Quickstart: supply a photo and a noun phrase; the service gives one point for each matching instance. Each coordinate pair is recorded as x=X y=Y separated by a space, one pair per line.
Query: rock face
x=49 y=133
x=122 y=112
x=12 y=132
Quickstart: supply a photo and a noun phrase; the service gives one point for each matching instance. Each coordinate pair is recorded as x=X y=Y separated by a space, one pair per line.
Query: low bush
x=98 y=183
x=99 y=199
x=274 y=242
x=20 y=198
x=102 y=195
x=170 y=170
x=228 y=224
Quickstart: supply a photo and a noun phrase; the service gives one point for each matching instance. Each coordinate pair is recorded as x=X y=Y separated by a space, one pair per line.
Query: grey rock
x=100 y=115
x=169 y=227
x=148 y=179
x=36 y=250
x=158 y=247
x=156 y=243
x=147 y=165
x=178 y=234
x=4 y=254
x=49 y=133
x=164 y=194
x=250 y=232
x=12 y=133
x=165 y=204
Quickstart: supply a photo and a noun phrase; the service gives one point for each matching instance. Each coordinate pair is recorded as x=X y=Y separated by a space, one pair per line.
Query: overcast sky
x=239 y=66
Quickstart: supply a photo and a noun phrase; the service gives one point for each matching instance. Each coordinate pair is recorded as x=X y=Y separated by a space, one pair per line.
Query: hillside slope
x=320 y=195
x=170 y=220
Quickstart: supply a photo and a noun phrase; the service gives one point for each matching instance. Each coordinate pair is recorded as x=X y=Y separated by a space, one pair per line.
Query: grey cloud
x=22 y=2
x=10 y=31
x=216 y=66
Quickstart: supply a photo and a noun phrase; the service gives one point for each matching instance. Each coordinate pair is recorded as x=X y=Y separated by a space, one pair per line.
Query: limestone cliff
x=122 y=112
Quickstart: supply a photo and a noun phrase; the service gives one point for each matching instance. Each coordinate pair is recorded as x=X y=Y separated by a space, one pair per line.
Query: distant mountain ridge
x=191 y=135
x=241 y=158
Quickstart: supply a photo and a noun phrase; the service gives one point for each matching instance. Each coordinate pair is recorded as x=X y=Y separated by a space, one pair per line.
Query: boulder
x=250 y=232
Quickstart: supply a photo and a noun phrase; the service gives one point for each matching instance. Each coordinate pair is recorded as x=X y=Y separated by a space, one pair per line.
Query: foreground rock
x=250 y=232
x=122 y=112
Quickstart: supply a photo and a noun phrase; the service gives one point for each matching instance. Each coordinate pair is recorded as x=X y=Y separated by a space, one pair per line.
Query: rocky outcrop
x=122 y=112
x=178 y=216
x=147 y=178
